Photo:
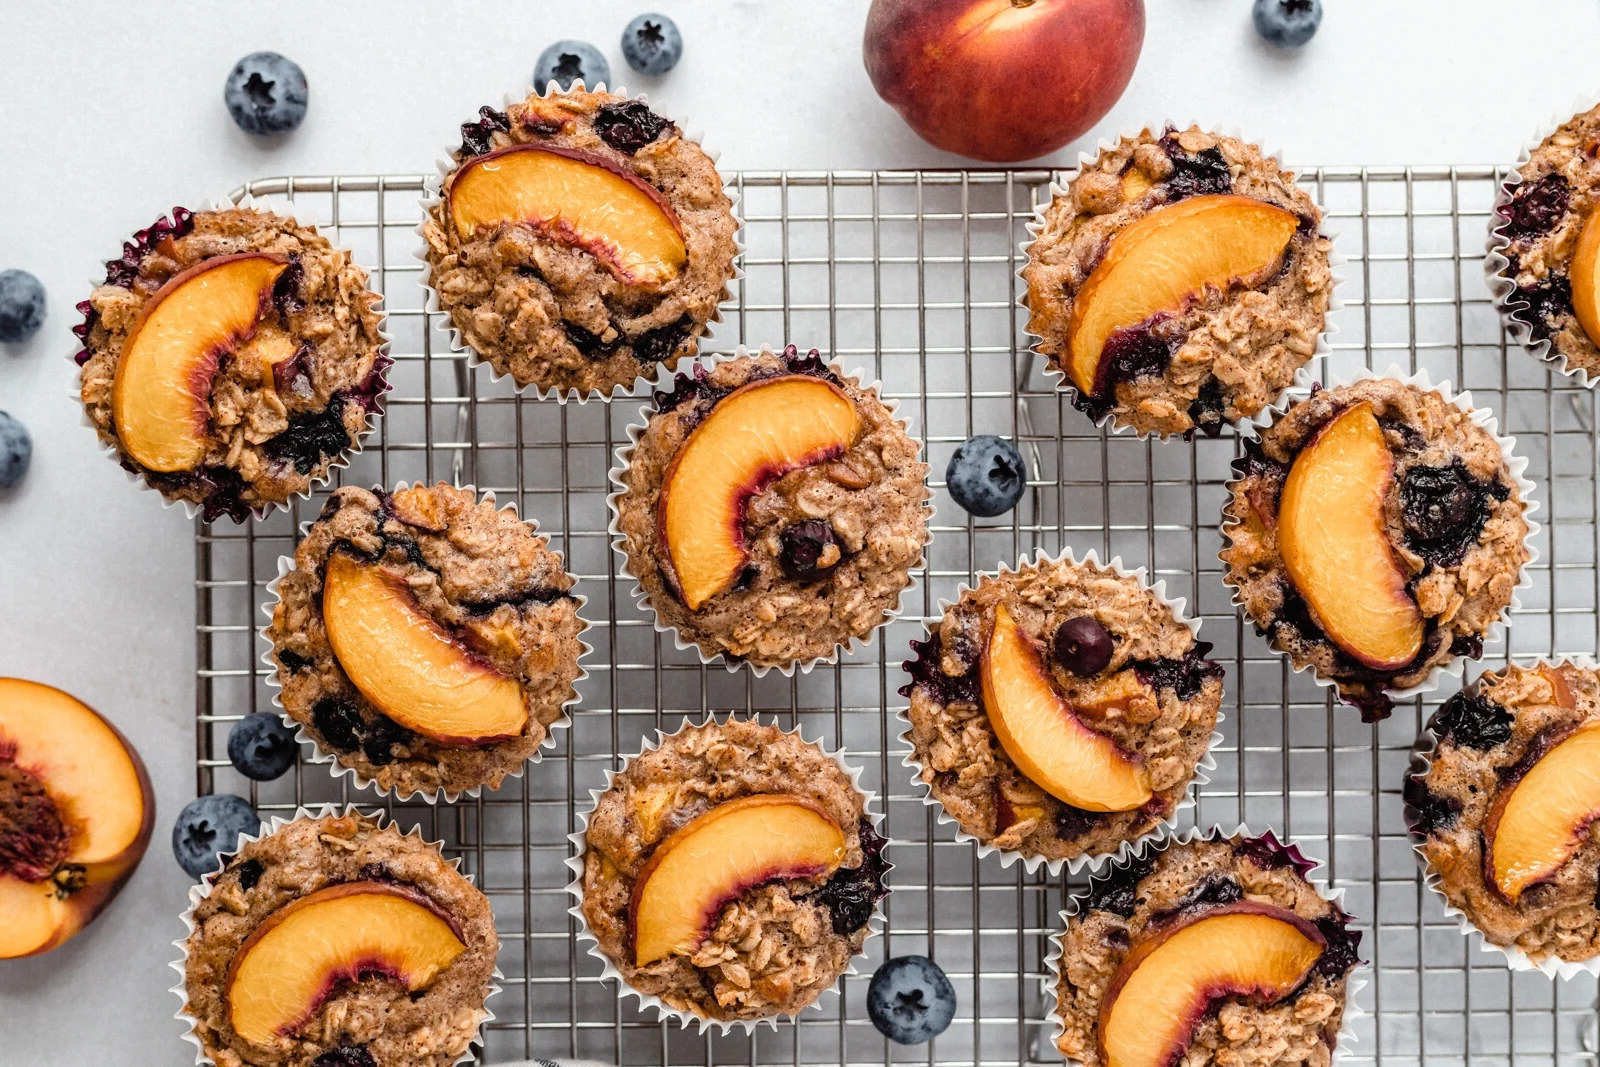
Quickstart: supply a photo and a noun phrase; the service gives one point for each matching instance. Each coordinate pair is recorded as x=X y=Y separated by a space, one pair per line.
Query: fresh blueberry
x=986 y=475
x=1287 y=23
x=266 y=93
x=652 y=44
x=568 y=61
x=261 y=747
x=16 y=448
x=910 y=1000
x=21 y=305
x=1083 y=646
x=208 y=825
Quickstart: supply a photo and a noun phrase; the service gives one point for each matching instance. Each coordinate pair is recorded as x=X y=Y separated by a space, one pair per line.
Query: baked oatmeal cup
x=1543 y=246
x=1375 y=533
x=579 y=242
x=770 y=508
x=729 y=873
x=231 y=358
x=1178 y=282
x=1209 y=948
x=1061 y=710
x=1498 y=804
x=333 y=940
x=424 y=639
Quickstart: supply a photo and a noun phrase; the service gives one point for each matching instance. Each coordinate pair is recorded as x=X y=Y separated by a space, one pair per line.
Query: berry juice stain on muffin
x=1374 y=533
x=1179 y=282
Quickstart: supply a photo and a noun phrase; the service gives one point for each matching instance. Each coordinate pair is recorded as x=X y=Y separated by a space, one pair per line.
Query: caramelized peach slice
x=408 y=666
x=1540 y=818
x=1043 y=734
x=161 y=395
x=1169 y=981
x=69 y=861
x=578 y=198
x=714 y=858
x=1335 y=547
x=1166 y=259
x=755 y=435
x=1586 y=279
x=305 y=951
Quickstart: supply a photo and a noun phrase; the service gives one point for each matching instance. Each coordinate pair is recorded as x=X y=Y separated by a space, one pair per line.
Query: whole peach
x=1002 y=80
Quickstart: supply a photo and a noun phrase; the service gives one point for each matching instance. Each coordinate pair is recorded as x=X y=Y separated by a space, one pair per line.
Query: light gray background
x=111 y=112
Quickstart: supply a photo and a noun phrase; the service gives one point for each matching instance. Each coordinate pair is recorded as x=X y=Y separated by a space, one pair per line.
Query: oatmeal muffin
x=1281 y=952
x=1214 y=249
x=231 y=358
x=765 y=921
x=1134 y=684
x=595 y=244
x=1521 y=742
x=771 y=508
x=425 y=639
x=391 y=949
x=1374 y=533
x=1542 y=228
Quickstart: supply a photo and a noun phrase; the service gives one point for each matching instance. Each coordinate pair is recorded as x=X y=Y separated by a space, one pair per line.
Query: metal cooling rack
x=912 y=277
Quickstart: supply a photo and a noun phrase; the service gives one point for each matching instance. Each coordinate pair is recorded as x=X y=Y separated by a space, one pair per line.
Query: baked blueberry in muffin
x=1373 y=533
x=231 y=358
x=1060 y=709
x=1178 y=282
x=1502 y=816
x=1210 y=950
x=581 y=241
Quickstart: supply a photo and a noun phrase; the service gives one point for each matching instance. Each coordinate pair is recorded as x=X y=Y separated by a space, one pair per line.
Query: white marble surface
x=112 y=113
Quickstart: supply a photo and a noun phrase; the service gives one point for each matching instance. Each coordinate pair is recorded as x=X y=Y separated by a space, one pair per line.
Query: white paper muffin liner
x=619 y=541
x=1421 y=760
x=1496 y=265
x=1059 y=188
x=1200 y=777
x=359 y=780
x=433 y=191
x=1355 y=980
x=1516 y=468
x=649 y=1002
x=202 y=889
x=281 y=206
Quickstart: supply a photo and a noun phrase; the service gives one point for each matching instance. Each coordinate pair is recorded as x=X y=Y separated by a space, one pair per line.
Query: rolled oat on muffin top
x=231 y=358
x=580 y=242
x=731 y=872
x=1375 y=533
x=1503 y=815
x=1545 y=228
x=1178 y=282
x=771 y=508
x=425 y=638
x=1208 y=949
x=1061 y=709
x=334 y=940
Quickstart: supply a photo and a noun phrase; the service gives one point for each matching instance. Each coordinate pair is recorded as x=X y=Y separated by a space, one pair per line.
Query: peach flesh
x=1585 y=278
x=755 y=435
x=719 y=856
x=1539 y=820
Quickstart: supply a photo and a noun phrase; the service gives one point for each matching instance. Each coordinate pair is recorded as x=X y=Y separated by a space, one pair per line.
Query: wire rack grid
x=911 y=276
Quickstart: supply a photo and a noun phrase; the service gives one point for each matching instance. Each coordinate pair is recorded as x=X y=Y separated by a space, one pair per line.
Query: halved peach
x=1166 y=259
x=161 y=394
x=1044 y=735
x=1540 y=818
x=408 y=666
x=1167 y=983
x=1335 y=546
x=1586 y=279
x=88 y=815
x=714 y=858
x=305 y=951
x=578 y=198
x=755 y=435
